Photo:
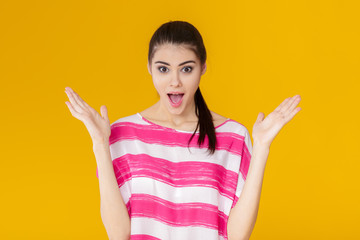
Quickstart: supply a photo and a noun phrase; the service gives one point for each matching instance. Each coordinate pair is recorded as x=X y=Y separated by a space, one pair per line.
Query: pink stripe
x=179 y=174
x=245 y=162
x=188 y=173
x=228 y=141
x=143 y=237
x=178 y=214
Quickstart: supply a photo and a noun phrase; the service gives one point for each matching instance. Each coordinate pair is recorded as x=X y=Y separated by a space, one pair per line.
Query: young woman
x=177 y=170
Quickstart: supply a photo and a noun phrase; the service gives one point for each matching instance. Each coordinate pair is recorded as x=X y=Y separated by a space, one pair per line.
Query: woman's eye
x=165 y=69
x=161 y=68
x=190 y=69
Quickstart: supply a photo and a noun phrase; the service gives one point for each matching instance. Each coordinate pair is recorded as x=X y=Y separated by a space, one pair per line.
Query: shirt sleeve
x=246 y=154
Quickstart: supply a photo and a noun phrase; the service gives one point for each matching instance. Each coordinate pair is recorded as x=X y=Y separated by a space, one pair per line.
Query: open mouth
x=176 y=98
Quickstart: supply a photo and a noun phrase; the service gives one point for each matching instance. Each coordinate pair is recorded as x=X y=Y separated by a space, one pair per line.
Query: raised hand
x=264 y=131
x=98 y=126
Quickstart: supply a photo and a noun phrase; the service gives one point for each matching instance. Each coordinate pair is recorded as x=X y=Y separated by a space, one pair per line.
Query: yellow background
x=259 y=53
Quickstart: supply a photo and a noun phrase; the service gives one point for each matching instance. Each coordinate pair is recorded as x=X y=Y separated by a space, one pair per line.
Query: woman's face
x=176 y=69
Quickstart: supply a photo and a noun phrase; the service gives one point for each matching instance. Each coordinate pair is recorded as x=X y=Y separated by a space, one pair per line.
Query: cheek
x=193 y=82
x=159 y=85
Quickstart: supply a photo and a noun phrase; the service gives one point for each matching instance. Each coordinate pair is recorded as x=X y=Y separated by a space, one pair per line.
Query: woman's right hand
x=98 y=126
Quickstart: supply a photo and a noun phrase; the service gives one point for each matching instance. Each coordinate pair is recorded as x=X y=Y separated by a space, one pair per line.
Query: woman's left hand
x=265 y=130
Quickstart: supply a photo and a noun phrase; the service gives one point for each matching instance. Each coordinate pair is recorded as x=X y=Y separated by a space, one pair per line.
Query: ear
x=148 y=67
x=204 y=69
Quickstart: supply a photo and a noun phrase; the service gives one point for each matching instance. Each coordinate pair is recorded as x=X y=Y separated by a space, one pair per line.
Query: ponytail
x=205 y=122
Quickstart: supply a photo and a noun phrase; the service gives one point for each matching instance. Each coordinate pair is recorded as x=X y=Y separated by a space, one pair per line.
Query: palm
x=98 y=126
x=265 y=130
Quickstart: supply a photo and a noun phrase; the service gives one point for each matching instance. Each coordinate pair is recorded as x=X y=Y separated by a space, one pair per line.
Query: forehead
x=173 y=53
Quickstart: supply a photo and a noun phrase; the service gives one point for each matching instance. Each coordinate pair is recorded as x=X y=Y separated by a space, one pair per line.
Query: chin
x=174 y=110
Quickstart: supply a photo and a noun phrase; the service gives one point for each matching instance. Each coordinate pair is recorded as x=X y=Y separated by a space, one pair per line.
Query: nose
x=175 y=80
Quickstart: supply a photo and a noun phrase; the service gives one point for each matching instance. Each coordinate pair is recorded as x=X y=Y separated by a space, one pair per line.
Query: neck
x=176 y=118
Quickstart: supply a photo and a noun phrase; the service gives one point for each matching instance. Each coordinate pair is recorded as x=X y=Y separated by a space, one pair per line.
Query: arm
x=114 y=213
x=243 y=215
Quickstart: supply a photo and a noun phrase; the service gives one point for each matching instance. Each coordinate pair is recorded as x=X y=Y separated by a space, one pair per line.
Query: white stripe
x=160 y=230
x=232 y=127
x=132 y=118
x=239 y=186
x=126 y=190
x=247 y=141
x=167 y=192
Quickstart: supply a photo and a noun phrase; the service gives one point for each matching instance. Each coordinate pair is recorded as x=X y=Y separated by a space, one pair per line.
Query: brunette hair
x=181 y=32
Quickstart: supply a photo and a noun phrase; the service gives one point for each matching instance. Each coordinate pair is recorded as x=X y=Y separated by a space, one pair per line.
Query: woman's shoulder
x=133 y=118
x=218 y=119
x=230 y=126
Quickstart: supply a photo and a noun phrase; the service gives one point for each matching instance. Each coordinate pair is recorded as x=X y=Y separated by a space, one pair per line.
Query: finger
x=104 y=113
x=77 y=98
x=74 y=101
x=292 y=104
x=85 y=103
x=282 y=104
x=286 y=105
x=81 y=101
x=292 y=114
x=260 y=117
x=72 y=110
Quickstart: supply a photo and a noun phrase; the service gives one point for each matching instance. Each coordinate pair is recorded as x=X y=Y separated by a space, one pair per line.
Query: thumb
x=104 y=112
x=260 y=117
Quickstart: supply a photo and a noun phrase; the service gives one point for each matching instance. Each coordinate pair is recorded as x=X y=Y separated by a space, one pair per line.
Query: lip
x=175 y=93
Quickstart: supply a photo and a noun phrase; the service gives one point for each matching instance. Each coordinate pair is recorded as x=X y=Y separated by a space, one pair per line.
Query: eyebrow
x=179 y=64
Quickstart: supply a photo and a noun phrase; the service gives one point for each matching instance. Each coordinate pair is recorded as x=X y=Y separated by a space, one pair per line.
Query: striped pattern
x=173 y=191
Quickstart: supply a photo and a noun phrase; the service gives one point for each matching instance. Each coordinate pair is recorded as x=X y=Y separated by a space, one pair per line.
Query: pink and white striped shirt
x=172 y=191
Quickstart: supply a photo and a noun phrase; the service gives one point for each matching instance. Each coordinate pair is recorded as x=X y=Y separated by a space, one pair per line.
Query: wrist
x=260 y=144
x=100 y=144
x=261 y=147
